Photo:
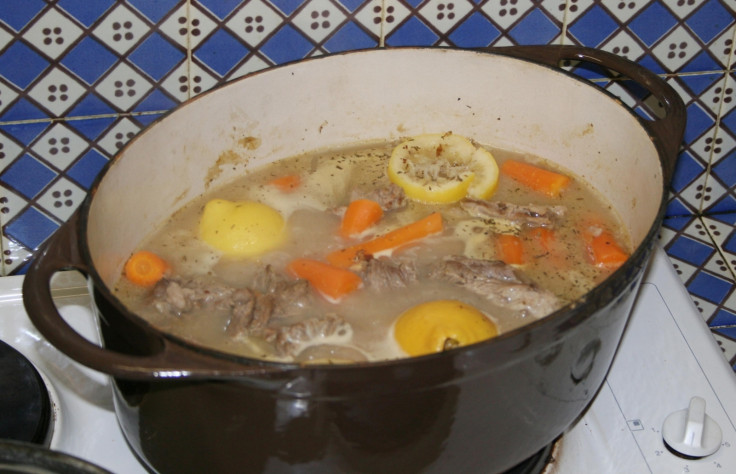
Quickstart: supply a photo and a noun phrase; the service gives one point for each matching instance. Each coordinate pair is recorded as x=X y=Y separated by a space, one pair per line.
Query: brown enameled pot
x=481 y=408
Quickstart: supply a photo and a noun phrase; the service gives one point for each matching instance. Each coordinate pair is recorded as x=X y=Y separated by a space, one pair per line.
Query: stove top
x=667 y=357
x=667 y=362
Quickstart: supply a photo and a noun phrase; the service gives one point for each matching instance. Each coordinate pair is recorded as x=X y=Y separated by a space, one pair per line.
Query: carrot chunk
x=286 y=183
x=604 y=251
x=331 y=281
x=145 y=268
x=432 y=224
x=510 y=249
x=543 y=237
x=538 y=179
x=542 y=243
x=359 y=216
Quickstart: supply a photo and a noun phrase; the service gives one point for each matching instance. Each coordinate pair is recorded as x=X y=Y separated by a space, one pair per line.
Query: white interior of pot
x=363 y=97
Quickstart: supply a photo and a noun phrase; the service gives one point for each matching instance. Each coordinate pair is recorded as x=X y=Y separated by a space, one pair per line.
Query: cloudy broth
x=313 y=213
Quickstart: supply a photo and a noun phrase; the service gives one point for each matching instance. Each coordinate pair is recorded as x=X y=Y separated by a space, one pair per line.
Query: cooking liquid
x=328 y=180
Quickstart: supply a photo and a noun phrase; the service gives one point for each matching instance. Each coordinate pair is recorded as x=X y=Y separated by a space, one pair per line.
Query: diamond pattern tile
x=156 y=56
x=79 y=79
x=52 y=32
x=121 y=29
x=506 y=14
x=721 y=229
x=188 y=26
x=19 y=53
x=254 y=22
x=56 y=92
x=319 y=20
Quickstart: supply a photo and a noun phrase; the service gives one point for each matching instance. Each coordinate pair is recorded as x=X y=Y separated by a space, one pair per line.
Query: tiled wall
x=79 y=78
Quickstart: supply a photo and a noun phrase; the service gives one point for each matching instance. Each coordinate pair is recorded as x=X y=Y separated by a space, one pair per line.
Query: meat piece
x=390 y=197
x=258 y=311
x=498 y=283
x=262 y=311
x=516 y=215
x=248 y=308
x=249 y=313
x=381 y=273
x=175 y=296
x=289 y=339
x=267 y=280
x=528 y=299
x=290 y=296
x=169 y=297
x=460 y=269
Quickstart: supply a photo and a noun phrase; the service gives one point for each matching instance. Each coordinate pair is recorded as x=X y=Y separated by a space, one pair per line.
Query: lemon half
x=436 y=326
x=443 y=168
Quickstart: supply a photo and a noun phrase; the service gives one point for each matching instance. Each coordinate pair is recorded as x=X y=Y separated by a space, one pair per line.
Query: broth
x=313 y=212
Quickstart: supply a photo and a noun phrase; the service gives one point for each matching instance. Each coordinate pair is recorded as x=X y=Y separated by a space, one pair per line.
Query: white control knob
x=691 y=432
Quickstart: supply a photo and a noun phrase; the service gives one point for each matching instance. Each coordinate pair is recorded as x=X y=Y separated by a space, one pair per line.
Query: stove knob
x=691 y=432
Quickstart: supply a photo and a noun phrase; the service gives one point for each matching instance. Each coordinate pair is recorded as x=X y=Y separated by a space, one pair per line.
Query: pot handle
x=667 y=131
x=61 y=252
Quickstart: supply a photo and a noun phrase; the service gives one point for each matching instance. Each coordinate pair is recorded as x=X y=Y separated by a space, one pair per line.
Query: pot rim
x=555 y=323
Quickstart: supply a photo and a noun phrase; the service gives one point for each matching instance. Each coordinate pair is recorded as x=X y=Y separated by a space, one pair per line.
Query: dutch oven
x=481 y=408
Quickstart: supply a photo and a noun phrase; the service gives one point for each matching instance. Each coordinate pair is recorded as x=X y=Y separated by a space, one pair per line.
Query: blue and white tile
x=187 y=25
x=254 y=22
x=722 y=47
x=701 y=266
x=52 y=33
x=594 y=25
x=79 y=79
x=53 y=166
x=708 y=276
x=15 y=256
x=725 y=338
x=672 y=231
x=722 y=172
x=690 y=175
x=722 y=229
x=688 y=249
x=407 y=28
x=709 y=22
x=121 y=28
x=719 y=198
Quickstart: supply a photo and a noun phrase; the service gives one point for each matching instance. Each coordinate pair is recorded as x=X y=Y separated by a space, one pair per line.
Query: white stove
x=668 y=361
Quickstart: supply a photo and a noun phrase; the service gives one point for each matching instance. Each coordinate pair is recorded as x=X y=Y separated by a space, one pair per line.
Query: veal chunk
x=289 y=339
x=498 y=283
x=259 y=311
x=382 y=273
x=175 y=296
x=530 y=215
x=389 y=197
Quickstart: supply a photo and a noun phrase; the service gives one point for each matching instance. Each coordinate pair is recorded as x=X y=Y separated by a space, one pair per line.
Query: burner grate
x=25 y=406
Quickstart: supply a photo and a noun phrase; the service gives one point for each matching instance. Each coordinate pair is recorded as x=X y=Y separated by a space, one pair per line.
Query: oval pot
x=481 y=408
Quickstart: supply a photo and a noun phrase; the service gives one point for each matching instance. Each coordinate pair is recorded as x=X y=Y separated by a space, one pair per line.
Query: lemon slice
x=436 y=326
x=443 y=168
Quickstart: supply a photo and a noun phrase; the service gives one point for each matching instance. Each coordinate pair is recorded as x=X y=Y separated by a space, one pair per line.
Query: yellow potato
x=241 y=229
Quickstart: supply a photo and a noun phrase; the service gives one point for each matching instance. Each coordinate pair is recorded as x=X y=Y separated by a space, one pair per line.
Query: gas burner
x=22 y=458
x=25 y=406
